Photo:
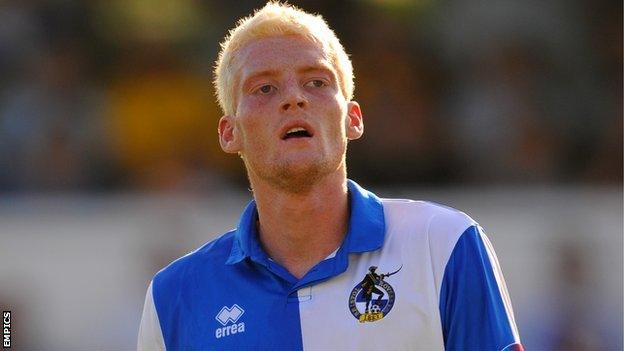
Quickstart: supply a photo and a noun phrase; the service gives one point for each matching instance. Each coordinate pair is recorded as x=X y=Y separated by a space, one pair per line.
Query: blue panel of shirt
x=228 y=295
x=471 y=307
x=194 y=290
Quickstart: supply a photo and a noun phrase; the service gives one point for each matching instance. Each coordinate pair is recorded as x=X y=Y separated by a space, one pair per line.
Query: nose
x=293 y=100
x=287 y=105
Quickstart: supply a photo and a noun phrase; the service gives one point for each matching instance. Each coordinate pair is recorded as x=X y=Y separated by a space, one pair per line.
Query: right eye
x=265 y=89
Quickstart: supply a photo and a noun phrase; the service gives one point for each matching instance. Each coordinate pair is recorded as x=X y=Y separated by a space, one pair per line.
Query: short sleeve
x=150 y=334
x=475 y=308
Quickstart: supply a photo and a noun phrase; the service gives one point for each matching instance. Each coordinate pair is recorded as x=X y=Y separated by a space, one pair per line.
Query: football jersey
x=409 y=275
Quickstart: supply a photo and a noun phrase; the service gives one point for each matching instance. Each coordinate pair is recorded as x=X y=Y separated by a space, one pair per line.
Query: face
x=292 y=120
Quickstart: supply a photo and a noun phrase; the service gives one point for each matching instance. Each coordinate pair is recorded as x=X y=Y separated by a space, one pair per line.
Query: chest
x=347 y=312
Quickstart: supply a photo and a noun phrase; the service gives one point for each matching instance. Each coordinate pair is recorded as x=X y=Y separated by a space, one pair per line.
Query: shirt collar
x=365 y=233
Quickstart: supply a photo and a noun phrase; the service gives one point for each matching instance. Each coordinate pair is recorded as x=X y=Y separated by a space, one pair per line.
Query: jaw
x=295 y=173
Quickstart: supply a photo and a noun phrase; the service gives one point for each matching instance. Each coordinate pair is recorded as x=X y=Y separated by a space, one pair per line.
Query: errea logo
x=227 y=315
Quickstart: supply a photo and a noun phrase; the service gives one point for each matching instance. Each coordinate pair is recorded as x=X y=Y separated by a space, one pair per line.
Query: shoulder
x=426 y=230
x=437 y=226
x=438 y=220
x=181 y=271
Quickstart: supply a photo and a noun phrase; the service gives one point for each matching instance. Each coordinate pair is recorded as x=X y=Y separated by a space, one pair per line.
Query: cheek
x=258 y=102
x=250 y=106
x=253 y=132
x=336 y=128
x=251 y=111
x=343 y=120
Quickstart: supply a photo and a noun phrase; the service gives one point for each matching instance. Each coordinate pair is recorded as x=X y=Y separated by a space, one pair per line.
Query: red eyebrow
x=268 y=72
x=312 y=68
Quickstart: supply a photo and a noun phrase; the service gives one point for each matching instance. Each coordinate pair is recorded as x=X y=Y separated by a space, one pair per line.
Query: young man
x=296 y=274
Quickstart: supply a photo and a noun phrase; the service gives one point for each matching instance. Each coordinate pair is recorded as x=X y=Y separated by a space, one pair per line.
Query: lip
x=296 y=124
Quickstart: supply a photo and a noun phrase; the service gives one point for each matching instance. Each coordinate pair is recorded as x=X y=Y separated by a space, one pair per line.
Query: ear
x=228 y=135
x=355 y=123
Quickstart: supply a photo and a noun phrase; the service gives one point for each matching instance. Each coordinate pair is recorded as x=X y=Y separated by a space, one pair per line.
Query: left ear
x=354 y=121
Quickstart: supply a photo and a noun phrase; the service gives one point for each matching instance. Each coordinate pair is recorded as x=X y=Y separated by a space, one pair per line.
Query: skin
x=299 y=184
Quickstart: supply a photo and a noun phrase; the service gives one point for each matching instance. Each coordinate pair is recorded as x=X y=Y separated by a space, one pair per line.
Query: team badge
x=373 y=298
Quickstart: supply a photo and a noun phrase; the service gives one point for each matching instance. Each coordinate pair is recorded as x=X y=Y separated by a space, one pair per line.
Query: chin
x=298 y=176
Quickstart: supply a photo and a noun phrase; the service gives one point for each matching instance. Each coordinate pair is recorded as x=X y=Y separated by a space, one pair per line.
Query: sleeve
x=474 y=306
x=150 y=334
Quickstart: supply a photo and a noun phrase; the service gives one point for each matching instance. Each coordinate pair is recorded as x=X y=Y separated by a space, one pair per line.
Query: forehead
x=280 y=54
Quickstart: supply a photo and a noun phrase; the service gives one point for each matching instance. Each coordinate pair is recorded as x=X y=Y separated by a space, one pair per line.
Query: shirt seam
x=512 y=344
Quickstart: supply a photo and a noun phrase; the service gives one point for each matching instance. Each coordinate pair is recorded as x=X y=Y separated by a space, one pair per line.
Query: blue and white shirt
x=410 y=275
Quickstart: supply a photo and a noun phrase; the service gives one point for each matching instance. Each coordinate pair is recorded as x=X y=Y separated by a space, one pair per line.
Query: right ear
x=228 y=135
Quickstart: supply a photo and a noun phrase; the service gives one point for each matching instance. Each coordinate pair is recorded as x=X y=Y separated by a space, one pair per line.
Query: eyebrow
x=316 y=67
x=268 y=72
x=305 y=69
x=320 y=67
x=256 y=75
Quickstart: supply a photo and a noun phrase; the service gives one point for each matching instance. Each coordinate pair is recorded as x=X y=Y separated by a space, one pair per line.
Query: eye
x=315 y=83
x=265 y=89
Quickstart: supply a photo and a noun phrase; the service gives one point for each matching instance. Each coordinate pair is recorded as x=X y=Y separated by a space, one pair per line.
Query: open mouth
x=298 y=132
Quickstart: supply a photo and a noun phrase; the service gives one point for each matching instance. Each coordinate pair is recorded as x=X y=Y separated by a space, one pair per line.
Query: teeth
x=293 y=130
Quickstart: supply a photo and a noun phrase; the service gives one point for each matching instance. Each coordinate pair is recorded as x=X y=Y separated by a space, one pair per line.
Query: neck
x=298 y=230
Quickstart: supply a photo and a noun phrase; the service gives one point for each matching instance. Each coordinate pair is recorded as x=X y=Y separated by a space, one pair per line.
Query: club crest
x=372 y=298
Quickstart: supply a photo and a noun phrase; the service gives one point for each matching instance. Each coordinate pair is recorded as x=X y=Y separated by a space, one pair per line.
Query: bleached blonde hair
x=277 y=19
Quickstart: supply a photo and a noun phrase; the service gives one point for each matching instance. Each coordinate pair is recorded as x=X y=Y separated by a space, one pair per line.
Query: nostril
x=288 y=105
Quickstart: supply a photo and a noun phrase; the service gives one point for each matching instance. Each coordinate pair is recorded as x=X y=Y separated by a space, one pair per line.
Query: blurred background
x=110 y=167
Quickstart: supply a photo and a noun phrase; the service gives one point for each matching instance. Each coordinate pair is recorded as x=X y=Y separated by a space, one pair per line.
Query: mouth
x=297 y=133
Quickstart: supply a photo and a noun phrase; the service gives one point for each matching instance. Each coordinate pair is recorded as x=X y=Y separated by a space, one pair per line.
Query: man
x=289 y=277
x=368 y=285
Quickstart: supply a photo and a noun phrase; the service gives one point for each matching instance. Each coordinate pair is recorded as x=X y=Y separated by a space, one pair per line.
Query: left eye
x=315 y=83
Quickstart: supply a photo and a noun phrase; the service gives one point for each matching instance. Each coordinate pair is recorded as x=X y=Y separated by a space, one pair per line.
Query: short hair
x=277 y=19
